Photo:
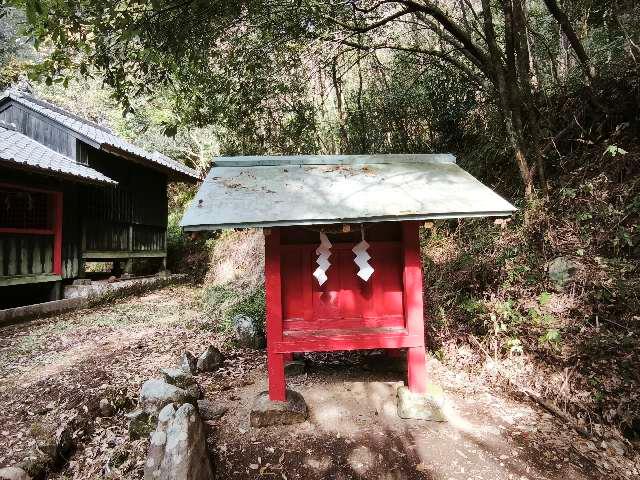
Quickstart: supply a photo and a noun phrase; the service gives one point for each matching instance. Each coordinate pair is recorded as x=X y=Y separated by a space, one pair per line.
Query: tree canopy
x=351 y=76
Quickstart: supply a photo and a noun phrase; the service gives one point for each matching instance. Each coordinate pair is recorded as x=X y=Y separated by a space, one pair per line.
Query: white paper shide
x=362 y=259
x=324 y=252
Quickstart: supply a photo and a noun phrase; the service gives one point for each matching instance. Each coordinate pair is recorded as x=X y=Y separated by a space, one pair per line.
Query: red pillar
x=273 y=292
x=414 y=312
x=57 y=233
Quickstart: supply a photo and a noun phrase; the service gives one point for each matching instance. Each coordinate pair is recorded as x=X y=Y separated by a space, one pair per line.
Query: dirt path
x=50 y=367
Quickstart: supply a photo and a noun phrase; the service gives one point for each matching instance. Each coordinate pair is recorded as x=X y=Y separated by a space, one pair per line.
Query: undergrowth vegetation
x=552 y=293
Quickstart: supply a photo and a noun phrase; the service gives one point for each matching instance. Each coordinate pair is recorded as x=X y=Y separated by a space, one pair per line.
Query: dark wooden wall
x=131 y=216
x=40 y=128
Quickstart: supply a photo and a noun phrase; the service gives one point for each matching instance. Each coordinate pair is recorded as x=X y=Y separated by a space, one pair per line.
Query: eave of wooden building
x=97 y=136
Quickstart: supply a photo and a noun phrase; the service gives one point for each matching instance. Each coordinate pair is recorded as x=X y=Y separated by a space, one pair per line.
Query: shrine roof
x=265 y=191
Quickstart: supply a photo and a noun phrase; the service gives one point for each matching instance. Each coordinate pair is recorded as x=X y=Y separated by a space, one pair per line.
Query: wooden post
x=57 y=233
x=273 y=292
x=414 y=312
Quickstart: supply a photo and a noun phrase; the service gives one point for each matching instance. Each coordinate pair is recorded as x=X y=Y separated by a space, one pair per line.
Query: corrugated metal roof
x=17 y=148
x=351 y=189
x=97 y=135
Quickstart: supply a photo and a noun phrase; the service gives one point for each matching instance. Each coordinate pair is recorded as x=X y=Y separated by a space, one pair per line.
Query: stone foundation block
x=422 y=406
x=265 y=412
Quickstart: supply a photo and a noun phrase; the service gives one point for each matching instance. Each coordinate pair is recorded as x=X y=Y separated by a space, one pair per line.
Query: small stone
x=13 y=473
x=210 y=360
x=246 y=332
x=208 y=411
x=37 y=464
x=82 y=281
x=265 y=412
x=563 y=270
x=155 y=394
x=195 y=391
x=619 y=447
x=177 y=377
x=141 y=424
x=294 y=367
x=188 y=363
x=106 y=409
x=111 y=279
x=422 y=406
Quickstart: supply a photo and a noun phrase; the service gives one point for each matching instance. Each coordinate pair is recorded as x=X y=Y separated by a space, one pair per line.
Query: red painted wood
x=333 y=340
x=28 y=231
x=416 y=361
x=345 y=313
x=57 y=236
x=25 y=188
x=273 y=291
x=344 y=299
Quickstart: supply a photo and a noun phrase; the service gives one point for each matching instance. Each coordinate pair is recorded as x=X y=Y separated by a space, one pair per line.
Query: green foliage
x=551 y=338
x=224 y=302
x=544 y=298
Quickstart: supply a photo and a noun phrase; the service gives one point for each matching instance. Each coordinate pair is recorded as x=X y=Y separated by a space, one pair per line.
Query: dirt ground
x=64 y=365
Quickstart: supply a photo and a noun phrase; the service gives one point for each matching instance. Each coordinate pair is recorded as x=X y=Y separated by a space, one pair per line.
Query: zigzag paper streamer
x=323 y=252
x=362 y=259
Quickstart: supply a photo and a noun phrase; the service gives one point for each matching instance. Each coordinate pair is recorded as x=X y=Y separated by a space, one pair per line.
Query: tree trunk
x=338 y=89
x=561 y=17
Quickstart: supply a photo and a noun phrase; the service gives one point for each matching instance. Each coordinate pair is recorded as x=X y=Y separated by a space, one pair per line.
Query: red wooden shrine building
x=342 y=251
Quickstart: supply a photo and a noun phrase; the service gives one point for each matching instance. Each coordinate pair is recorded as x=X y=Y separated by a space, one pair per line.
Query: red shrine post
x=342 y=254
x=346 y=313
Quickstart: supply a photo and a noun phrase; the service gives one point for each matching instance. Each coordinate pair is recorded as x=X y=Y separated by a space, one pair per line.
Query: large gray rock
x=210 y=360
x=422 y=406
x=141 y=424
x=155 y=394
x=178 y=448
x=563 y=270
x=13 y=473
x=246 y=332
x=265 y=412
x=188 y=363
x=178 y=377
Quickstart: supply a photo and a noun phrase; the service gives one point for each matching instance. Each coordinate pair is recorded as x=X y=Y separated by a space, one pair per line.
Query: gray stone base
x=294 y=367
x=265 y=412
x=422 y=406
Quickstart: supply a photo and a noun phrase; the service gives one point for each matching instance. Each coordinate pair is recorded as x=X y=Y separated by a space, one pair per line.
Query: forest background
x=537 y=98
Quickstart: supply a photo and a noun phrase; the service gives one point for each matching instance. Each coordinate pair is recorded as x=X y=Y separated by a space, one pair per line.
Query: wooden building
x=342 y=250
x=72 y=192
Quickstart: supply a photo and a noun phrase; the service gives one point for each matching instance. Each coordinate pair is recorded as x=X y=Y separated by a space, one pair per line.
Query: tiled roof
x=19 y=149
x=100 y=135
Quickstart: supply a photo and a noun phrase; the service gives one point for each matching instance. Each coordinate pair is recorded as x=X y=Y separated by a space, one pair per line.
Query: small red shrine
x=342 y=250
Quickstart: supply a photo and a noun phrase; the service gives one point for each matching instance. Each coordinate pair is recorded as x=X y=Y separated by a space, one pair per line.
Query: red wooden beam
x=57 y=236
x=273 y=292
x=28 y=231
x=354 y=341
x=414 y=310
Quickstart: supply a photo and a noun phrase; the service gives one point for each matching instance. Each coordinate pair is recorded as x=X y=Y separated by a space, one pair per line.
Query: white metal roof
x=305 y=190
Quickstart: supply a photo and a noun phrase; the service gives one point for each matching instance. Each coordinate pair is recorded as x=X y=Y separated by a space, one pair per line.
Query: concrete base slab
x=265 y=412
x=422 y=406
